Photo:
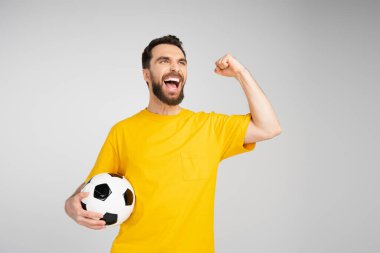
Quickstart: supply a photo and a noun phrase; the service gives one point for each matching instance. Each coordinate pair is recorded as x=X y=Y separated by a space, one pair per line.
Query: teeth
x=173 y=79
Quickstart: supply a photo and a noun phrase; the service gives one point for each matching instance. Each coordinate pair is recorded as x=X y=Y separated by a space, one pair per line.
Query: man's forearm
x=262 y=113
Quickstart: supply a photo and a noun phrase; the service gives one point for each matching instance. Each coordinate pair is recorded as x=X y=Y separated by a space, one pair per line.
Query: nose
x=174 y=67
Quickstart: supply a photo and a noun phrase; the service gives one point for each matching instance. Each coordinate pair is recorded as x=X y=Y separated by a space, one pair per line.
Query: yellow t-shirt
x=171 y=162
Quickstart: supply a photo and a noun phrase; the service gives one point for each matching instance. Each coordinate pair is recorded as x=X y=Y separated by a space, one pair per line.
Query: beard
x=158 y=90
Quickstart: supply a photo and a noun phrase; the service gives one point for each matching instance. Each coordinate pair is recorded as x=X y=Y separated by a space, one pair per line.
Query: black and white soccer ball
x=111 y=195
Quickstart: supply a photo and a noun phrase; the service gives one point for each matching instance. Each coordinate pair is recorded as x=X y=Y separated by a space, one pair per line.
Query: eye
x=183 y=63
x=164 y=61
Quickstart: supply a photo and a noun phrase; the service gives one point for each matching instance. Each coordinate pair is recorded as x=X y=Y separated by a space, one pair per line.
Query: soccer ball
x=111 y=195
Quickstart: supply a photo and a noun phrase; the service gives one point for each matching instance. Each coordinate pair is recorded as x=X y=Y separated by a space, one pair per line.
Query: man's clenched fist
x=228 y=66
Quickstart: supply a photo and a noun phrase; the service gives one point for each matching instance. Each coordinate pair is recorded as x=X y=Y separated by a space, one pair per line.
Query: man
x=170 y=155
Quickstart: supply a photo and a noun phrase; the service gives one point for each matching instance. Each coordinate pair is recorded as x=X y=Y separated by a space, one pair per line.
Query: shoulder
x=217 y=117
x=206 y=114
x=199 y=117
x=125 y=123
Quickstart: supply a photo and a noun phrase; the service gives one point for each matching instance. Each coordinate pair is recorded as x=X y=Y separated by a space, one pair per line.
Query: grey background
x=69 y=70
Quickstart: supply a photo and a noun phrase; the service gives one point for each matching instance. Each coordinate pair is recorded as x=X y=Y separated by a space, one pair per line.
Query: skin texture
x=168 y=60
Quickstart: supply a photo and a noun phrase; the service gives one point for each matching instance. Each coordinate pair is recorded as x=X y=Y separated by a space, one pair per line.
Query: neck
x=163 y=109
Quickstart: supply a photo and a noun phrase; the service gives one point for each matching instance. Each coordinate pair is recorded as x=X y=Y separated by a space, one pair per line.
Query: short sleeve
x=108 y=159
x=230 y=132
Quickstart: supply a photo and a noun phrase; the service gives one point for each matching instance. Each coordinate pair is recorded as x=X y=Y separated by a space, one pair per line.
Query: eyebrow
x=167 y=58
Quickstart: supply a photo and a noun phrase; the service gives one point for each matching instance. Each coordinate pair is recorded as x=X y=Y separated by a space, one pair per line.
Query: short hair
x=168 y=39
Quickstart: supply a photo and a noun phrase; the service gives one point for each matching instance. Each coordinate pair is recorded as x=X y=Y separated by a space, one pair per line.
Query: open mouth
x=172 y=82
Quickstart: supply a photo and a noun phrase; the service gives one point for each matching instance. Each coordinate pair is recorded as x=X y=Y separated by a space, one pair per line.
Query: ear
x=146 y=75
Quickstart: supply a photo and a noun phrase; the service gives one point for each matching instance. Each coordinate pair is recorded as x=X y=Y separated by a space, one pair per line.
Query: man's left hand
x=228 y=66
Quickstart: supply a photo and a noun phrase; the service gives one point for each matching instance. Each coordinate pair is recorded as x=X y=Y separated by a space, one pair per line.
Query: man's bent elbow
x=273 y=133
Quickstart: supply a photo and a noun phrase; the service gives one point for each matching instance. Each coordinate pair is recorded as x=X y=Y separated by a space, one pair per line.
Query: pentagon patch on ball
x=111 y=195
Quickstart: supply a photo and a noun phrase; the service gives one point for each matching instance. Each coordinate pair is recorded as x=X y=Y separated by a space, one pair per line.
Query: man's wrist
x=242 y=74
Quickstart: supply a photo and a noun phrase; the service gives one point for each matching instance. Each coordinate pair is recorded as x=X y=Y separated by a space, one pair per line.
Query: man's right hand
x=85 y=218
